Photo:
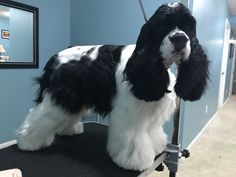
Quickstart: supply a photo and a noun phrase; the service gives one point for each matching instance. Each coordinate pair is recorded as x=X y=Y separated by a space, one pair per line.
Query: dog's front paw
x=159 y=139
x=136 y=154
x=134 y=158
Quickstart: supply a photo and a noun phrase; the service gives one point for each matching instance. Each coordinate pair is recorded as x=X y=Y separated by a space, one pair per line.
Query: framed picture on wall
x=5 y=34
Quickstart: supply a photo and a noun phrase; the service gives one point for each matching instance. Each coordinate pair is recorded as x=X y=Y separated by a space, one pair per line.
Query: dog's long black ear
x=193 y=74
x=147 y=77
x=144 y=37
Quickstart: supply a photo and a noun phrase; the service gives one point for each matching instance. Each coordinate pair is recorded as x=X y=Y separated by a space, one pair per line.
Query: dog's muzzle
x=179 y=41
x=175 y=47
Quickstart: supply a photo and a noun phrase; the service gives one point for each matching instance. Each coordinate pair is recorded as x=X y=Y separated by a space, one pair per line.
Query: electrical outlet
x=206 y=110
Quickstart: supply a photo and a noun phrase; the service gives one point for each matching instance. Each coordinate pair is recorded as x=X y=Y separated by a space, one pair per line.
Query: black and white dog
x=132 y=84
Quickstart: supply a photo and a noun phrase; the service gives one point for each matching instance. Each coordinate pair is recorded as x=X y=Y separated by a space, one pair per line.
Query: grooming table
x=81 y=156
x=85 y=155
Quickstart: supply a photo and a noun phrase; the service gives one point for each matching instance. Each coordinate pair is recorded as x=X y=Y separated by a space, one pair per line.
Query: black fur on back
x=44 y=80
x=83 y=83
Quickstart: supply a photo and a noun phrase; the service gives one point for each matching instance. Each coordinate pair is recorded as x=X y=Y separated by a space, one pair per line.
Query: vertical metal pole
x=172 y=174
x=143 y=11
x=175 y=136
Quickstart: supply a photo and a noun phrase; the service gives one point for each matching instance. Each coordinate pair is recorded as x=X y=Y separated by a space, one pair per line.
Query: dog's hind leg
x=73 y=125
x=41 y=124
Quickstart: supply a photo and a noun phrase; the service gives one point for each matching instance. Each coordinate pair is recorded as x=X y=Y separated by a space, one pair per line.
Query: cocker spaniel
x=131 y=84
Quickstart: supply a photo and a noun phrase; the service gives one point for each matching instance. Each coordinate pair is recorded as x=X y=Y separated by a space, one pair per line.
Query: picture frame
x=5 y=34
x=32 y=61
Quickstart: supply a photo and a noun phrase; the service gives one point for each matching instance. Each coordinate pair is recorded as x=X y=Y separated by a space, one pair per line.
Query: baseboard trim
x=201 y=132
x=7 y=144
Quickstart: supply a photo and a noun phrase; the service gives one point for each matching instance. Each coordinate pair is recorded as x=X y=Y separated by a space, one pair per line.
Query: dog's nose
x=179 y=41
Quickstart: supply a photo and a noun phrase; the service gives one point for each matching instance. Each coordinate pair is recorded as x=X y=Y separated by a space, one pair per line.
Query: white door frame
x=225 y=55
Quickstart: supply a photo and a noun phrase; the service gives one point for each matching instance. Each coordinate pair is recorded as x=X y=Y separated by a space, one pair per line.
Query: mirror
x=19 y=35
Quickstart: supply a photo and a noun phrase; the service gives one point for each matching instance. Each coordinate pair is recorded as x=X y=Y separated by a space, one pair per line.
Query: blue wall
x=108 y=21
x=17 y=89
x=211 y=18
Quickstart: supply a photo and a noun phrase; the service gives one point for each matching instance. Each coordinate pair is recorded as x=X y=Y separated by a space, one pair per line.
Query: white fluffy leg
x=73 y=127
x=73 y=124
x=40 y=126
x=155 y=129
x=131 y=150
x=158 y=138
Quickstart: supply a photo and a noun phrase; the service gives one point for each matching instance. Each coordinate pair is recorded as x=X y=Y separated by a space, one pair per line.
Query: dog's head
x=169 y=33
x=170 y=36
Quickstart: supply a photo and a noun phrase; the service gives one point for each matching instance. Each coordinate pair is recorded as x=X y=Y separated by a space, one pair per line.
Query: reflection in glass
x=16 y=34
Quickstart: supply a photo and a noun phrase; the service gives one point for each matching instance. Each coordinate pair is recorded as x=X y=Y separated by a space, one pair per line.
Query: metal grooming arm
x=172 y=153
x=173 y=149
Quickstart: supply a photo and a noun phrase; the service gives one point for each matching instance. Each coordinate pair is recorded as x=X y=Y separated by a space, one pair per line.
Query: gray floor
x=214 y=153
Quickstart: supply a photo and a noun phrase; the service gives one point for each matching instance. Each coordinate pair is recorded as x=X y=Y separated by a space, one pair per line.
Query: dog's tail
x=44 y=79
